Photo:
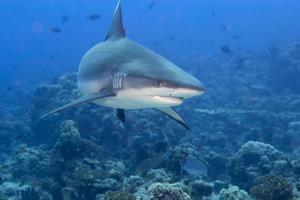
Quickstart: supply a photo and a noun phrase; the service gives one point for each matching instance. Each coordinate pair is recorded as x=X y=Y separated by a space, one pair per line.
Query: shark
x=124 y=75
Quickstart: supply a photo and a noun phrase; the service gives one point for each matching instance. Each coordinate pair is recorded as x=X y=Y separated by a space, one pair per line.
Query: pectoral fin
x=174 y=115
x=121 y=115
x=82 y=100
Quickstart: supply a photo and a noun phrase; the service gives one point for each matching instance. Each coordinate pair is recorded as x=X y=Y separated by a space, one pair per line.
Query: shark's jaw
x=148 y=98
x=131 y=99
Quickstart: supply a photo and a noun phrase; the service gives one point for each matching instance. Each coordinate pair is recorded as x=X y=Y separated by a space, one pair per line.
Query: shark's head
x=162 y=88
x=168 y=90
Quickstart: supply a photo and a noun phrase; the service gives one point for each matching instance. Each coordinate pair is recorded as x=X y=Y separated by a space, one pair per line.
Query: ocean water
x=244 y=131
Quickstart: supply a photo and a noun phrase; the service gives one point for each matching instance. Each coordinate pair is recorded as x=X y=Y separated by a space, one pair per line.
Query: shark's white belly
x=135 y=100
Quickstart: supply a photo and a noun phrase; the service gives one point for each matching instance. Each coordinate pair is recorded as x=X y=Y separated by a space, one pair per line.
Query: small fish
x=151 y=5
x=236 y=37
x=52 y=58
x=226 y=49
x=225 y=28
x=10 y=88
x=196 y=168
x=94 y=17
x=149 y=163
x=56 y=30
x=213 y=13
x=172 y=37
x=65 y=18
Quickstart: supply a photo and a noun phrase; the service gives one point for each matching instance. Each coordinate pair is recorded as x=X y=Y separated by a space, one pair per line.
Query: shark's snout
x=185 y=91
x=198 y=89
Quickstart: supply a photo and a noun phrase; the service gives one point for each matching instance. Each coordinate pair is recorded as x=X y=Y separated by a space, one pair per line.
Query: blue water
x=27 y=44
x=244 y=130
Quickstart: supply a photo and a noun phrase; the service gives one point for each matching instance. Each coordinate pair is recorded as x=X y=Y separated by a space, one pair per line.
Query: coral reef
x=272 y=187
x=250 y=130
x=200 y=189
x=119 y=196
x=30 y=194
x=165 y=191
x=255 y=159
x=234 y=193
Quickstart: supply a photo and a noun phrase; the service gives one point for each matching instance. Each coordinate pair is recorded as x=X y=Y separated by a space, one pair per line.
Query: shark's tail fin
x=116 y=30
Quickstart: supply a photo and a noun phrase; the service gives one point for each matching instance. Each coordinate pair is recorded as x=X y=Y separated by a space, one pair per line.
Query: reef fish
x=151 y=5
x=149 y=163
x=226 y=49
x=56 y=30
x=94 y=17
x=195 y=167
x=64 y=18
x=123 y=74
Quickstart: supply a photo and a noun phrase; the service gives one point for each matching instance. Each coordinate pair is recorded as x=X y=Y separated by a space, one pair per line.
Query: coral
x=27 y=161
x=70 y=145
x=132 y=183
x=69 y=131
x=141 y=194
x=108 y=184
x=86 y=181
x=255 y=159
x=296 y=166
x=30 y=194
x=254 y=134
x=217 y=164
x=294 y=126
x=69 y=142
x=2 y=197
x=69 y=193
x=252 y=151
x=234 y=193
x=116 y=169
x=9 y=189
x=118 y=195
x=219 y=185
x=200 y=189
x=158 y=175
x=75 y=163
x=272 y=187
x=166 y=191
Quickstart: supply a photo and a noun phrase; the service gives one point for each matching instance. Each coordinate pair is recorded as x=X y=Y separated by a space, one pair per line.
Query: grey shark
x=123 y=74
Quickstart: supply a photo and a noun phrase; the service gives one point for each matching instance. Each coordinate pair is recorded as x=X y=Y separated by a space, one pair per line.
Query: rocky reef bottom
x=244 y=142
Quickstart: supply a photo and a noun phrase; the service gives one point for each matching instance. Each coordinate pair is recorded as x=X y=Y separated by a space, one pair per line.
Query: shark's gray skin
x=123 y=74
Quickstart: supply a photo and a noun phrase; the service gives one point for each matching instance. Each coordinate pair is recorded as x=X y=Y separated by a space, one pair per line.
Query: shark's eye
x=156 y=84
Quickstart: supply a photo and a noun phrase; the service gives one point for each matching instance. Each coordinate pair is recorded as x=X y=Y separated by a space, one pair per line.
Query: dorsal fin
x=116 y=30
